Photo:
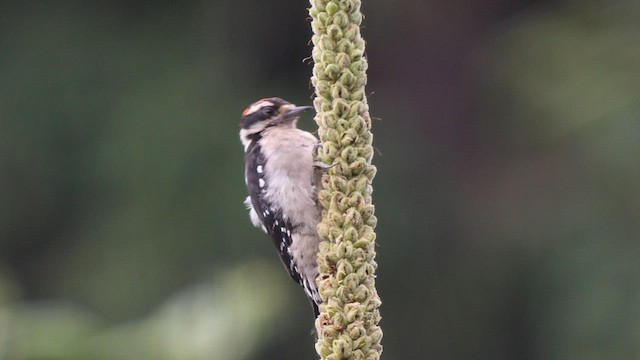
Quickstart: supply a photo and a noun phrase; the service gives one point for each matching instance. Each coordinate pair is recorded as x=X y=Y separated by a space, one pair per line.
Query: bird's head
x=269 y=112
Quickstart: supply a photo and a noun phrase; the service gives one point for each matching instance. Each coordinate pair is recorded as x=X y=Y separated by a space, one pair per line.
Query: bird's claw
x=323 y=166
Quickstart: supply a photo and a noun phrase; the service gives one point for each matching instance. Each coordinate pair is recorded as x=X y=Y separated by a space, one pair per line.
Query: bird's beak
x=296 y=111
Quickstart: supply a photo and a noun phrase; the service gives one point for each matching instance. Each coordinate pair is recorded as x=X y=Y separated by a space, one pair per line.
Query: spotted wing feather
x=278 y=229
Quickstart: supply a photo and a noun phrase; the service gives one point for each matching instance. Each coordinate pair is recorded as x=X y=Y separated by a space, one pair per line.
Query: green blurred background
x=508 y=187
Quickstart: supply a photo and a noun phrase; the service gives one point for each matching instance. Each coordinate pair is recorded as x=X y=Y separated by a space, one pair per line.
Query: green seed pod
x=347 y=327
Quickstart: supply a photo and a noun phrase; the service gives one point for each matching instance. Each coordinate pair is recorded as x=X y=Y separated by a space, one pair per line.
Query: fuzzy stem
x=348 y=323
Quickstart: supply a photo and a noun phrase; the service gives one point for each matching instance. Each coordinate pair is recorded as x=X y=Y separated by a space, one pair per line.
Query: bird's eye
x=269 y=111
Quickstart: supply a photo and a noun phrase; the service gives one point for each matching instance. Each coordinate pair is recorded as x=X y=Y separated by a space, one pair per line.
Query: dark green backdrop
x=508 y=187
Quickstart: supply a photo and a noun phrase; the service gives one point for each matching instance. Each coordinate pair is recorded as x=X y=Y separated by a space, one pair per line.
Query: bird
x=282 y=180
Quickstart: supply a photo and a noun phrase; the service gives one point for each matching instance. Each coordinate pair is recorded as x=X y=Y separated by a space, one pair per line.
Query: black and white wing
x=271 y=218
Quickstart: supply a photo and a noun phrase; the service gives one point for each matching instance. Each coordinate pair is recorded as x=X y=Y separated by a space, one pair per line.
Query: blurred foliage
x=222 y=316
x=507 y=192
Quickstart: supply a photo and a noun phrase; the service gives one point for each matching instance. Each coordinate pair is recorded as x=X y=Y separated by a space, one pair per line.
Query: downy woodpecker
x=282 y=180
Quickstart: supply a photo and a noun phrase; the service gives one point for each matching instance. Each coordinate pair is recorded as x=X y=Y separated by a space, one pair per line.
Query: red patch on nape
x=246 y=111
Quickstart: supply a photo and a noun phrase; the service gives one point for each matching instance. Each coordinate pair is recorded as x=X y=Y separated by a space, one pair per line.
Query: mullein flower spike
x=347 y=327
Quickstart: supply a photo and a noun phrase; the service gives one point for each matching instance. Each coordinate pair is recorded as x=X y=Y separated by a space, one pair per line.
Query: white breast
x=290 y=174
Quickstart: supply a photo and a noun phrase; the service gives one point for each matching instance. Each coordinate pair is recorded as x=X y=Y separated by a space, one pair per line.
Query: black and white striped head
x=266 y=113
